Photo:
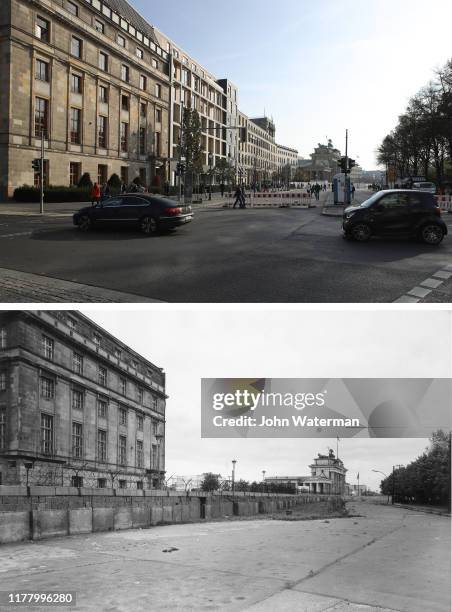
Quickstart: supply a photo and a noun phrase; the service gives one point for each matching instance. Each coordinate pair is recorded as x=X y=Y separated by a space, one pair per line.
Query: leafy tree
x=427 y=479
x=211 y=482
x=224 y=171
x=421 y=142
x=192 y=141
x=242 y=485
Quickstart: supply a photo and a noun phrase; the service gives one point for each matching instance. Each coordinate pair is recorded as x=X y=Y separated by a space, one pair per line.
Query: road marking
x=419 y=292
x=443 y=275
x=431 y=283
x=426 y=287
x=15 y=235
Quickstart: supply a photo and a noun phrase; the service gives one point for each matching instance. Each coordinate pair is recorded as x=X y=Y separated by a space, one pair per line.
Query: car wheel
x=432 y=234
x=148 y=225
x=361 y=232
x=84 y=223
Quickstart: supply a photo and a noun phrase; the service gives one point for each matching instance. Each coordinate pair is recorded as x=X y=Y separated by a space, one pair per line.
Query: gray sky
x=317 y=67
x=191 y=344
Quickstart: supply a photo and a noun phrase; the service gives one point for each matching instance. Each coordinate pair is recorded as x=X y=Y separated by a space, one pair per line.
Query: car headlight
x=349 y=216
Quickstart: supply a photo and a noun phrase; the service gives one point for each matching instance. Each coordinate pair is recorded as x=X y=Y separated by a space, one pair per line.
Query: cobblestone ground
x=21 y=287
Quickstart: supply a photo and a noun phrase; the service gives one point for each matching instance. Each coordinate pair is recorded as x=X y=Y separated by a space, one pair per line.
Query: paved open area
x=253 y=255
x=385 y=559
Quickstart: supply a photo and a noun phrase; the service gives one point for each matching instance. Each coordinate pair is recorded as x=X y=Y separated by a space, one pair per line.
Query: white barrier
x=277 y=199
x=445 y=202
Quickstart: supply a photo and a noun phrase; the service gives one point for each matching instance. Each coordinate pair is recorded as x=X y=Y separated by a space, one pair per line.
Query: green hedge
x=52 y=194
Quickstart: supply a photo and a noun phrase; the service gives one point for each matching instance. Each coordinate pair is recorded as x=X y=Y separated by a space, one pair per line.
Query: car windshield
x=371 y=200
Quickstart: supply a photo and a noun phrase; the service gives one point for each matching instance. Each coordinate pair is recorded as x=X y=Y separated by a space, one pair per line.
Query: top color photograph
x=254 y=152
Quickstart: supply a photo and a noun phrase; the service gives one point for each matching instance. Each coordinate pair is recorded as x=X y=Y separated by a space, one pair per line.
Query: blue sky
x=316 y=67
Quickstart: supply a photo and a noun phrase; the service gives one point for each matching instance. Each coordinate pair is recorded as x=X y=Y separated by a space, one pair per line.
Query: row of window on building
x=47 y=443
x=42 y=31
x=104 y=378
x=42 y=125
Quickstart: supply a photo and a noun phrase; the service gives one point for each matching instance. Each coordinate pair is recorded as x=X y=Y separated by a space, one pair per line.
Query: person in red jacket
x=95 y=194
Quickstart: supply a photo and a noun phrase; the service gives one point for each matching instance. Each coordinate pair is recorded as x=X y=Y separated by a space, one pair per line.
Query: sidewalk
x=22 y=287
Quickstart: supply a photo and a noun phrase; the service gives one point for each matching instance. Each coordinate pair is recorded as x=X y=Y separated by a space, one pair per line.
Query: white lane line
x=419 y=292
x=443 y=275
x=431 y=283
x=407 y=299
x=15 y=235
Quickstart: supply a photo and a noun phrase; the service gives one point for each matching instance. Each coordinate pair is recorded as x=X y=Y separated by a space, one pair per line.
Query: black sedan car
x=147 y=212
x=396 y=212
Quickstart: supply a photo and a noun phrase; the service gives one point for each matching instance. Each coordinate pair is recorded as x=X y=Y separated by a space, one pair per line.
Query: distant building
x=327 y=475
x=323 y=165
x=261 y=160
x=77 y=406
x=186 y=483
x=296 y=482
x=355 y=490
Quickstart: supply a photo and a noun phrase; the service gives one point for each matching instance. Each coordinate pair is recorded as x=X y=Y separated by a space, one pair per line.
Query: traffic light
x=351 y=164
x=342 y=163
x=36 y=165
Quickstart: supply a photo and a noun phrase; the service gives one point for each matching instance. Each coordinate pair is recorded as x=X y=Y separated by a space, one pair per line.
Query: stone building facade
x=106 y=91
x=216 y=101
x=77 y=406
x=91 y=78
x=261 y=160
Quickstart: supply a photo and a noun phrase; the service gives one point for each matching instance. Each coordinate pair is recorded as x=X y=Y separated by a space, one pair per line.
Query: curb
x=423 y=510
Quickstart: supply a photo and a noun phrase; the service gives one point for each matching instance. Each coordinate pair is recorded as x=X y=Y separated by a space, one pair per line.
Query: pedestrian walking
x=95 y=194
x=238 y=197
x=123 y=187
x=242 y=197
x=222 y=190
x=353 y=192
x=105 y=192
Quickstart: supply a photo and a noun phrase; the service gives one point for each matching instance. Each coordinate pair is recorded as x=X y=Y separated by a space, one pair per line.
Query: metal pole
x=346 y=189
x=41 y=200
x=234 y=461
x=393 y=484
x=181 y=141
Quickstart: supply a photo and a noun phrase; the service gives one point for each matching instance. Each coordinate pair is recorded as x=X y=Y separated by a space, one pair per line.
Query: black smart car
x=147 y=212
x=399 y=212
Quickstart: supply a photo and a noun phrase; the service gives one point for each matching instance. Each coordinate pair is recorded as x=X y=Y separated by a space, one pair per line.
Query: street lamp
x=263 y=481
x=211 y=174
x=234 y=461
x=385 y=475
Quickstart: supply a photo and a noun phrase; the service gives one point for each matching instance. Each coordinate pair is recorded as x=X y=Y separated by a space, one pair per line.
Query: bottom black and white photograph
x=257 y=459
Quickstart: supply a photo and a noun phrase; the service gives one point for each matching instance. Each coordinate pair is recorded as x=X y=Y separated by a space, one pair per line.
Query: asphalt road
x=386 y=560
x=269 y=255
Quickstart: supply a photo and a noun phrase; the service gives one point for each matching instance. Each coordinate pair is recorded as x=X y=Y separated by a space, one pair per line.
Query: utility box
x=342 y=189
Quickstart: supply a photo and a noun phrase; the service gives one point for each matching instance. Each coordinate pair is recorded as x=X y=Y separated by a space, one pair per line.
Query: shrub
x=137 y=180
x=53 y=194
x=114 y=182
x=85 y=181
